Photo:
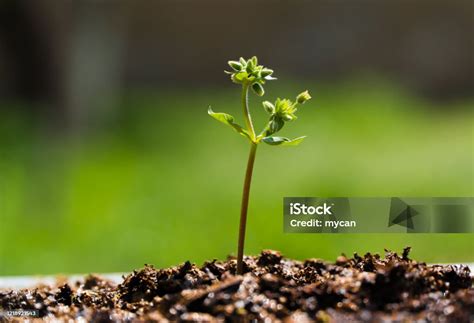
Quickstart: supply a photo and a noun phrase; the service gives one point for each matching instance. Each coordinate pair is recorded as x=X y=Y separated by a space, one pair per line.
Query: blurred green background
x=110 y=161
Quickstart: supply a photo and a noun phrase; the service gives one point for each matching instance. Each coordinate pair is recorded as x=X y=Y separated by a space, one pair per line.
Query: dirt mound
x=368 y=288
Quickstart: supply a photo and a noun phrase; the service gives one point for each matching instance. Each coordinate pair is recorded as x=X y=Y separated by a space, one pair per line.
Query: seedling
x=250 y=75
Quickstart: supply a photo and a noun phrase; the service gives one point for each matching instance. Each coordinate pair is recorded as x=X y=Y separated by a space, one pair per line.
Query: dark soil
x=367 y=289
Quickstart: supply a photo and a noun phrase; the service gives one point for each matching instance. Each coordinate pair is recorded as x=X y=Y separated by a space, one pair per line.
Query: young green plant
x=249 y=75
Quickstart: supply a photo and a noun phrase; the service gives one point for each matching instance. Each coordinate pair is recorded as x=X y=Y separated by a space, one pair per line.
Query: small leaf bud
x=269 y=107
x=303 y=97
x=258 y=89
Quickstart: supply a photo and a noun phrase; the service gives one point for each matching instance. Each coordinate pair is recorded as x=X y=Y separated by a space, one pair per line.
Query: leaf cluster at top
x=249 y=74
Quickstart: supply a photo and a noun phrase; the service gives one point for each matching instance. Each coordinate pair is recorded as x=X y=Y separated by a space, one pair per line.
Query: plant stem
x=244 y=207
x=245 y=106
x=248 y=178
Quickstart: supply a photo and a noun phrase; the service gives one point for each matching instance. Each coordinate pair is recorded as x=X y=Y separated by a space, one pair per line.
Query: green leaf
x=258 y=89
x=228 y=120
x=282 y=141
x=275 y=125
x=250 y=66
x=239 y=77
x=236 y=66
x=266 y=72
